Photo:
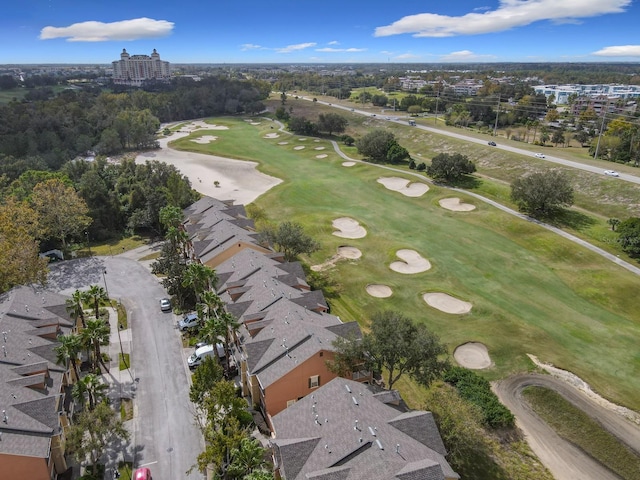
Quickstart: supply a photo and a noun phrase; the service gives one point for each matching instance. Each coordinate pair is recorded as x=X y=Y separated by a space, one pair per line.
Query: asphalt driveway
x=165 y=437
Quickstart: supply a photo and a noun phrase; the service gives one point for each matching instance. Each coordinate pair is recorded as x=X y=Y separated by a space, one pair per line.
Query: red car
x=142 y=474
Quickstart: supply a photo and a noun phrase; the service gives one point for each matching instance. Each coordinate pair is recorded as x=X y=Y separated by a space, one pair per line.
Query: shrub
x=477 y=390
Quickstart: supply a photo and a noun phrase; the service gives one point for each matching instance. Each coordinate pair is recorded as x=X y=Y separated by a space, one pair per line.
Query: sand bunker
x=412 y=262
x=317 y=141
x=319 y=148
x=472 y=355
x=299 y=147
x=205 y=139
x=322 y=155
x=447 y=303
x=403 y=186
x=302 y=139
x=283 y=143
x=455 y=205
x=348 y=228
x=217 y=127
x=348 y=164
x=272 y=135
x=379 y=291
x=344 y=253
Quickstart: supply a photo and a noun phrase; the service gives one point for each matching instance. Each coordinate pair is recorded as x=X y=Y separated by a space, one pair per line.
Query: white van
x=197 y=357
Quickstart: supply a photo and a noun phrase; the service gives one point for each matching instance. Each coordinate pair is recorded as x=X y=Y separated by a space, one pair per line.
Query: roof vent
x=372 y=431
x=355 y=401
x=348 y=389
x=379 y=445
x=397 y=448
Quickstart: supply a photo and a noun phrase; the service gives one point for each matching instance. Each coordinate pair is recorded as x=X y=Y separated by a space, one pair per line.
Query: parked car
x=165 y=305
x=142 y=474
x=197 y=357
x=493 y=144
x=539 y=155
x=190 y=320
x=611 y=173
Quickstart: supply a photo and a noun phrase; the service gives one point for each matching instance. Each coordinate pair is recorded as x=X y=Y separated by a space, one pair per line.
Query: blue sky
x=327 y=31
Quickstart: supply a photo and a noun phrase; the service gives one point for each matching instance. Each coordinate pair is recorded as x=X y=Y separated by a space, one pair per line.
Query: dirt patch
x=403 y=186
x=472 y=355
x=454 y=204
x=412 y=262
x=446 y=303
x=379 y=291
x=344 y=253
x=348 y=228
x=348 y=164
x=205 y=139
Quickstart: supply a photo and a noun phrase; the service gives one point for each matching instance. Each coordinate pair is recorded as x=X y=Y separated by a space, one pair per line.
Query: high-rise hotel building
x=135 y=69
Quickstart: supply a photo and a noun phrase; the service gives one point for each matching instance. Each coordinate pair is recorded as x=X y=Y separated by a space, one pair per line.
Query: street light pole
x=88 y=244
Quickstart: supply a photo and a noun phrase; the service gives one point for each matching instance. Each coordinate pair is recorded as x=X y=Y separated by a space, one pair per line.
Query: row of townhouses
x=322 y=426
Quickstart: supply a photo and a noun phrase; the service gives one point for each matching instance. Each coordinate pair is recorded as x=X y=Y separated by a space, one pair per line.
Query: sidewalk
x=122 y=385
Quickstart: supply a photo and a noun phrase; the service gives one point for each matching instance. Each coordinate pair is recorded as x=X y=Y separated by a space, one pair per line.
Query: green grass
x=579 y=429
x=123 y=360
x=532 y=291
x=113 y=247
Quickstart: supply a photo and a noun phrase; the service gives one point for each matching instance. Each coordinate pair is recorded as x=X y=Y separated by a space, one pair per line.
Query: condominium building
x=134 y=70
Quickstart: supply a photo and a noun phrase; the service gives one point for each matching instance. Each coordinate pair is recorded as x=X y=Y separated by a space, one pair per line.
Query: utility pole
x=495 y=127
x=604 y=115
x=435 y=120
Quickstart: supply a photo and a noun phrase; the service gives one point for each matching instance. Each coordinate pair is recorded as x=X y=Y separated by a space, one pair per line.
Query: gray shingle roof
x=359 y=432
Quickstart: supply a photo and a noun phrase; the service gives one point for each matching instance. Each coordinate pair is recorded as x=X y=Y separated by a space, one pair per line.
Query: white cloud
x=619 y=51
x=464 y=56
x=103 y=32
x=405 y=56
x=250 y=46
x=333 y=42
x=509 y=14
x=329 y=49
x=295 y=48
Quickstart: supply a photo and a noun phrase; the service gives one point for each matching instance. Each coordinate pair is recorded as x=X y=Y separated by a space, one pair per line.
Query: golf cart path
x=510 y=211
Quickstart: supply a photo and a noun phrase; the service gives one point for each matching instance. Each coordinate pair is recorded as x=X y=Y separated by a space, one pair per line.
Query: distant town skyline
x=286 y=31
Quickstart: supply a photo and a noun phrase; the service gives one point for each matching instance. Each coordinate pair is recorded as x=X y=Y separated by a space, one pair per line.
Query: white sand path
x=472 y=355
x=240 y=181
x=412 y=262
x=446 y=303
x=403 y=186
x=344 y=253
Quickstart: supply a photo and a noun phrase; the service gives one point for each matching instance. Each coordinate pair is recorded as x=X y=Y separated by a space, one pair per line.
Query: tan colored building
x=35 y=398
x=134 y=70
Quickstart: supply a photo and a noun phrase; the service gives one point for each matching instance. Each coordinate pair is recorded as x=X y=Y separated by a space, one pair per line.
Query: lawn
x=532 y=291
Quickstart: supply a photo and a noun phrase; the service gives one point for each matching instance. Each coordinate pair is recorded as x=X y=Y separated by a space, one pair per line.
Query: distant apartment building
x=134 y=70
x=562 y=92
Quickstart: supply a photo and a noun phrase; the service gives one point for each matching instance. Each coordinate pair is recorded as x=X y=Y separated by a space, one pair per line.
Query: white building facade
x=134 y=70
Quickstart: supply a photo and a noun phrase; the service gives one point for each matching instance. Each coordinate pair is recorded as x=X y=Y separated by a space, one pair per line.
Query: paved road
x=563 y=459
x=391 y=117
x=165 y=437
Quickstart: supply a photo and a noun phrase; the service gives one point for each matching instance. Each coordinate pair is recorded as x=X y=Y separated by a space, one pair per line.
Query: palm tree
x=67 y=352
x=231 y=325
x=96 y=334
x=91 y=388
x=200 y=278
x=97 y=295
x=246 y=458
x=75 y=306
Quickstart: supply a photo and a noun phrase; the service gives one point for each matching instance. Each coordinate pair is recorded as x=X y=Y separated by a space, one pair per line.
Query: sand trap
x=217 y=127
x=319 y=148
x=283 y=143
x=255 y=123
x=348 y=164
x=413 y=262
x=344 y=253
x=403 y=186
x=472 y=355
x=205 y=139
x=272 y=135
x=317 y=141
x=322 y=155
x=447 y=303
x=379 y=291
x=299 y=147
x=348 y=228
x=302 y=139
x=455 y=205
